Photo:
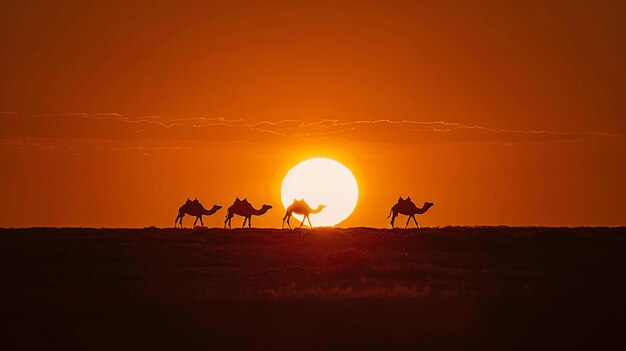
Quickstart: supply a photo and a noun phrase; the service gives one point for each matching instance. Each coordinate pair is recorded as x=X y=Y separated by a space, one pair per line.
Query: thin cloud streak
x=116 y=127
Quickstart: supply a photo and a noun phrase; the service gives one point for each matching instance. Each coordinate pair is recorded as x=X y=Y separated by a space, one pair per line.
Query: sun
x=322 y=181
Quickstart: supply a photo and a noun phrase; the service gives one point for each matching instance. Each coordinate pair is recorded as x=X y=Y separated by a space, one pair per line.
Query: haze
x=114 y=113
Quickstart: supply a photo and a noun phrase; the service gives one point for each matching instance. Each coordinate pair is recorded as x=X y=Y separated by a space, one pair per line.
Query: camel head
x=266 y=207
x=216 y=208
x=428 y=205
x=318 y=209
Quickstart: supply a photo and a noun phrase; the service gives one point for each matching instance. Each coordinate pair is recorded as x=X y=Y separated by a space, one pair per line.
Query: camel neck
x=422 y=209
x=259 y=211
x=317 y=210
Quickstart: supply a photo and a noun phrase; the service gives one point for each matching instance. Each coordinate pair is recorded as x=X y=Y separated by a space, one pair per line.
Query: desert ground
x=429 y=288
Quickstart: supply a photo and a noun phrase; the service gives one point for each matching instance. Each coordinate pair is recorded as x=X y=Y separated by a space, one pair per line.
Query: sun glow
x=321 y=181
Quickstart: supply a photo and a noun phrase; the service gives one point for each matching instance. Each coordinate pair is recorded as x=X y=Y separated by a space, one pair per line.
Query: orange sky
x=115 y=113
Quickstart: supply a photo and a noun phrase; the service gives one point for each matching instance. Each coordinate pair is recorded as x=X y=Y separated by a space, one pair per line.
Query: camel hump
x=405 y=201
x=237 y=201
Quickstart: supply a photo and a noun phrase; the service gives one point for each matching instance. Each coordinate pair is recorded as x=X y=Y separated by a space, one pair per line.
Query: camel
x=302 y=208
x=244 y=208
x=194 y=208
x=408 y=208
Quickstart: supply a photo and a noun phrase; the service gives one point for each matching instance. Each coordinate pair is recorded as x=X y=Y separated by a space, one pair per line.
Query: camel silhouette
x=194 y=208
x=302 y=208
x=408 y=208
x=243 y=208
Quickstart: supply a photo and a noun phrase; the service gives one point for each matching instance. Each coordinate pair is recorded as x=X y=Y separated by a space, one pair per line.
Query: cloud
x=418 y=132
x=115 y=127
x=149 y=148
x=17 y=144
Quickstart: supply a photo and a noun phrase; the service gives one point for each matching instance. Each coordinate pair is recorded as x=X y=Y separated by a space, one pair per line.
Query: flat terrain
x=432 y=288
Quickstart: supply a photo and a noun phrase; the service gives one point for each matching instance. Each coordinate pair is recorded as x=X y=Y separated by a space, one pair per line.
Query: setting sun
x=322 y=181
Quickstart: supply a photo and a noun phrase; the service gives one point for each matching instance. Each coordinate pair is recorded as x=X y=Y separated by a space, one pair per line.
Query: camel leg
x=283 y=227
x=415 y=220
x=176 y=221
x=289 y=224
x=201 y=223
x=179 y=218
x=407 y=222
x=196 y=221
x=309 y=219
x=302 y=222
x=227 y=221
x=230 y=219
x=393 y=219
x=249 y=222
x=245 y=219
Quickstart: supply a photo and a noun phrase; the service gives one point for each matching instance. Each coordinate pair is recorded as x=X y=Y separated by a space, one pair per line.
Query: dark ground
x=433 y=288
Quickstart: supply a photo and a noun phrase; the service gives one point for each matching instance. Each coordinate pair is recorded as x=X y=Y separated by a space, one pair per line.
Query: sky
x=501 y=113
